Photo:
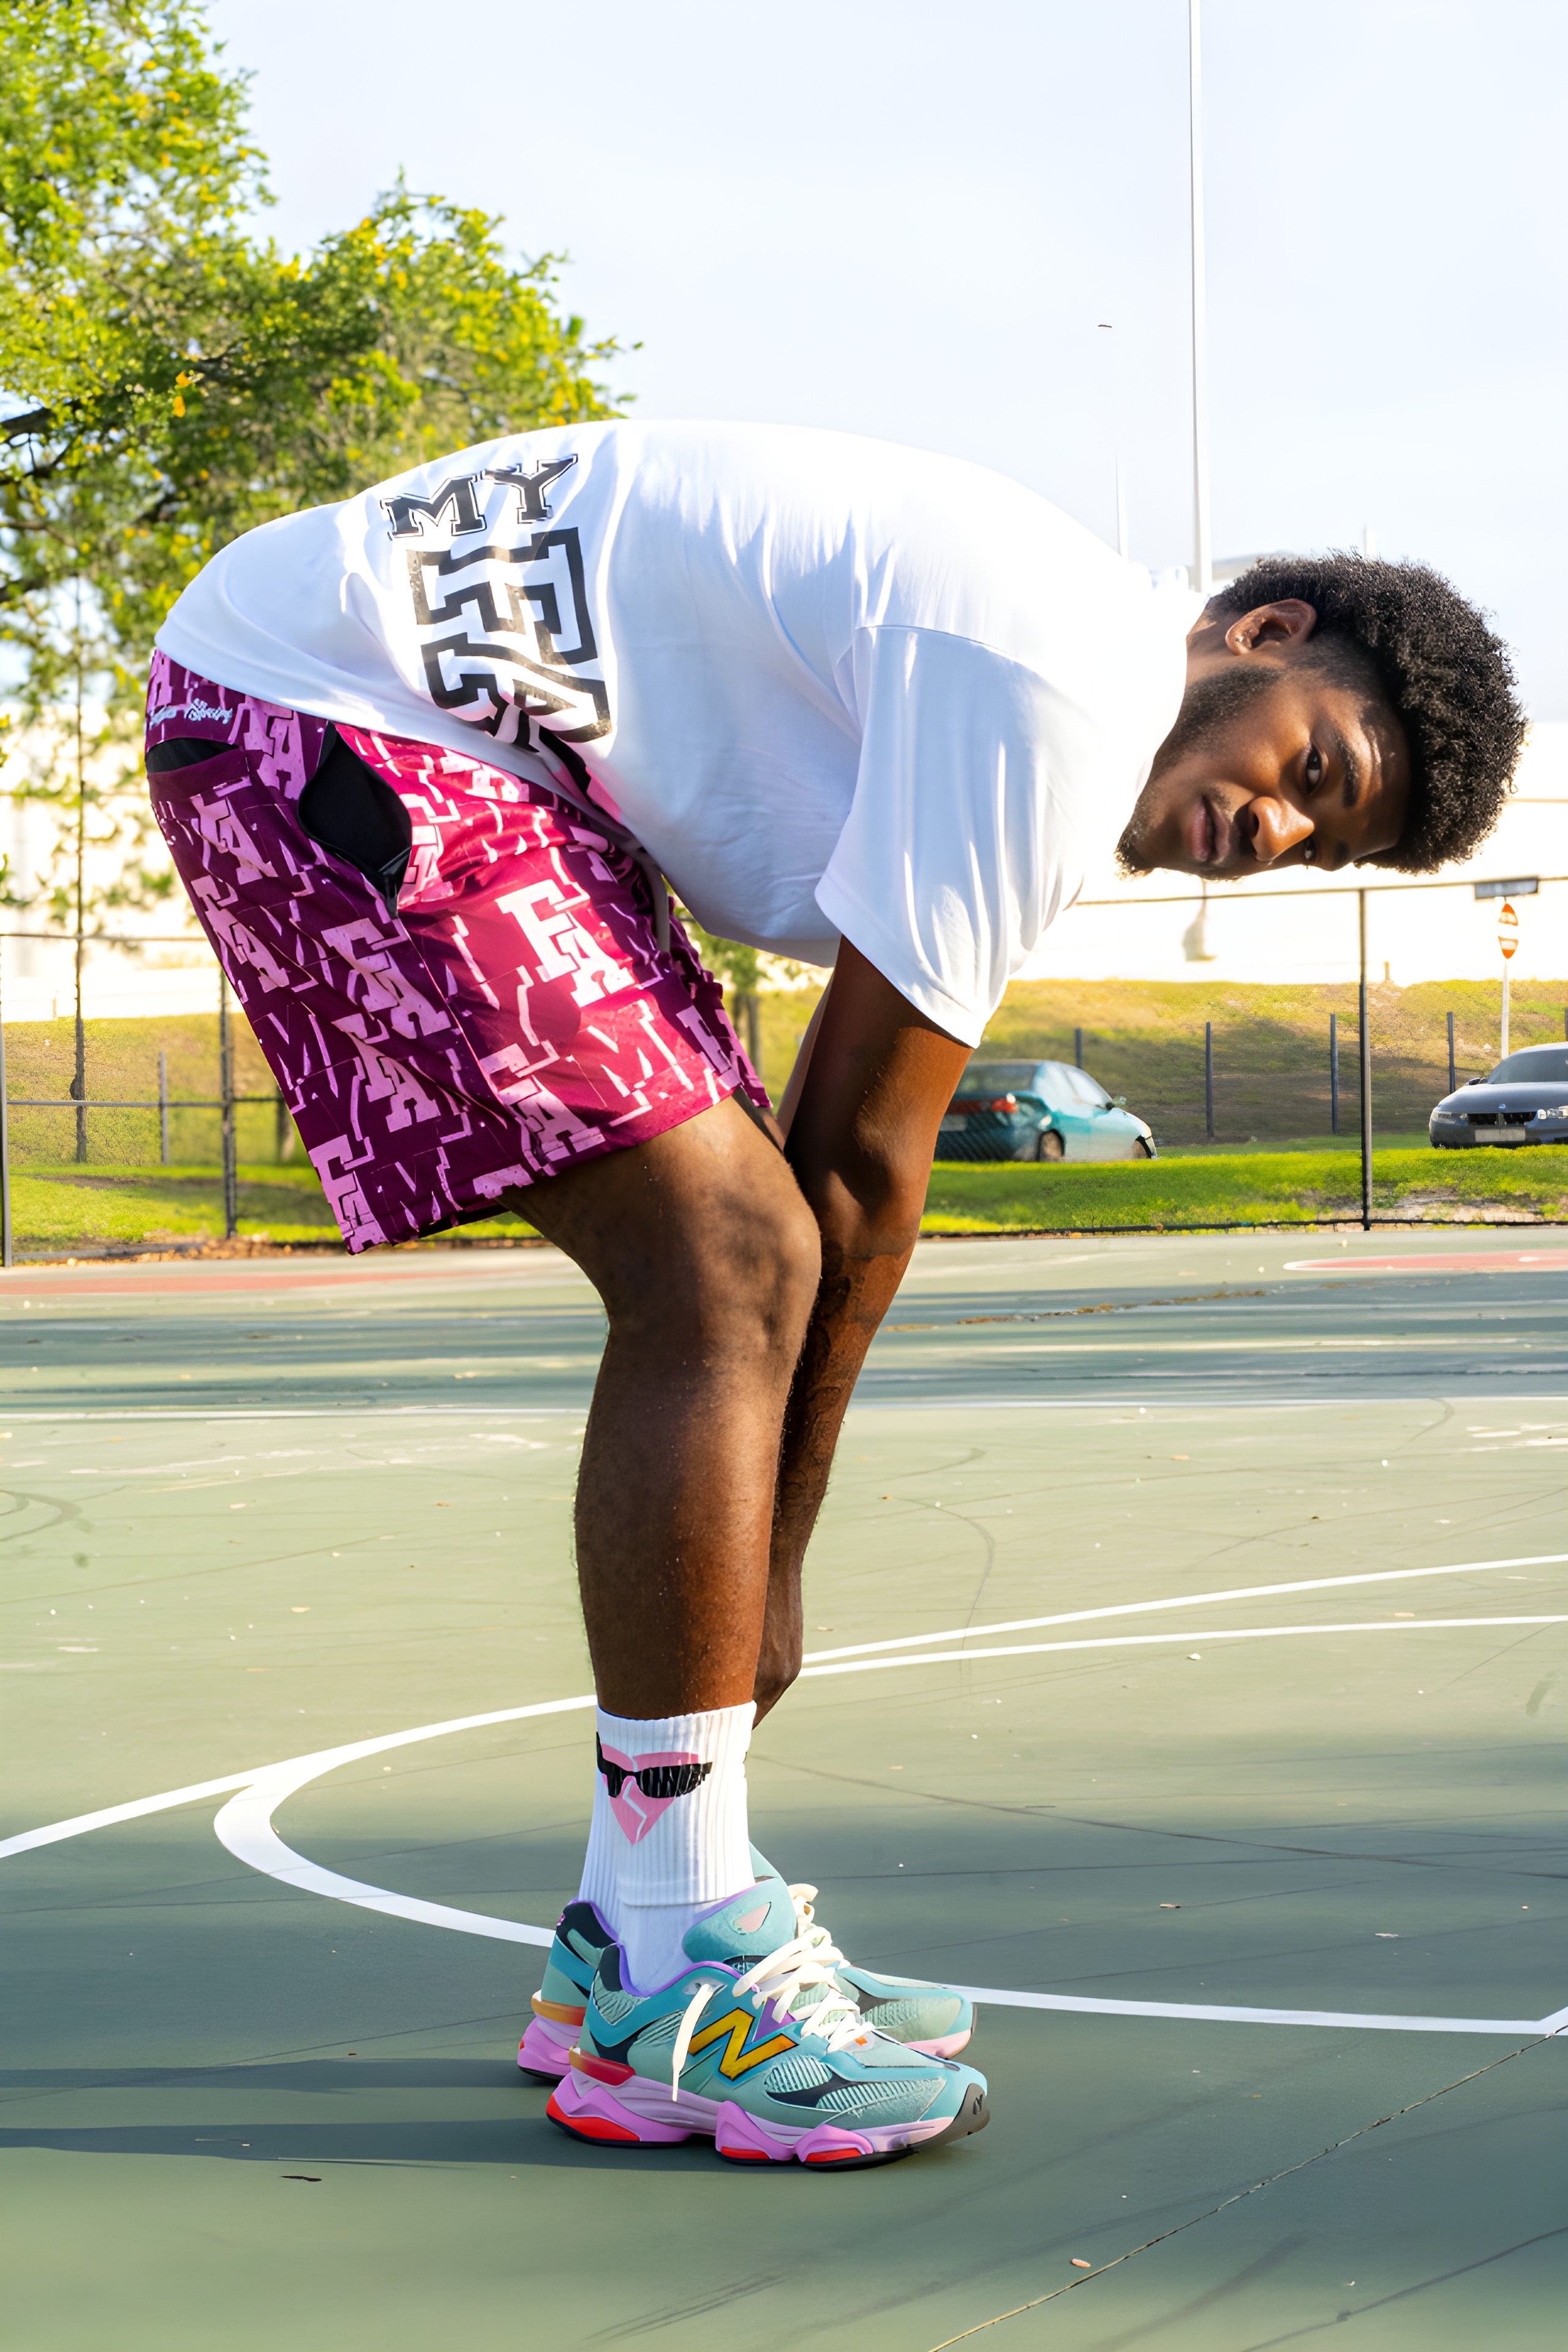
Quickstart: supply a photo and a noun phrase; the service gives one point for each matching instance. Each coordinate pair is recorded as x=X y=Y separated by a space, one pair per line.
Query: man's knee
x=728 y=1265
x=754 y=1265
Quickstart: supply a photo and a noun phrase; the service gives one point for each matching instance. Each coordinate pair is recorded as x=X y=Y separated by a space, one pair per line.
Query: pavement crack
x=1286 y=2172
x=1440 y=2278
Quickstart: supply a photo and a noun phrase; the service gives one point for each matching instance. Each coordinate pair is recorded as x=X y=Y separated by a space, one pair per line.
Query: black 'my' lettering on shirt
x=409 y=514
x=532 y=506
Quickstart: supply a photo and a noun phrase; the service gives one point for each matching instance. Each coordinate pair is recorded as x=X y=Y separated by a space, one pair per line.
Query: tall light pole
x=1364 y=1053
x=1203 y=555
x=1105 y=327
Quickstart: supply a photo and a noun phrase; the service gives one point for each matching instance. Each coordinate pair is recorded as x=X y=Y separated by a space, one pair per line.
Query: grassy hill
x=1145 y=1039
x=1142 y=1039
x=122 y=1065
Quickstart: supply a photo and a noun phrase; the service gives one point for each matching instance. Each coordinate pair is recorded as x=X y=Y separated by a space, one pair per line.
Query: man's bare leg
x=705 y=1253
x=861 y=1128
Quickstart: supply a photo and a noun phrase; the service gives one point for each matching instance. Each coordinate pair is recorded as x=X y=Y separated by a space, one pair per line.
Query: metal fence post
x=1078 y=1048
x=1365 y=1076
x=79 y=1080
x=5 y=1255
x=225 y=1075
x=163 y=1106
x=1208 y=1079
x=1333 y=1074
x=1453 y=1074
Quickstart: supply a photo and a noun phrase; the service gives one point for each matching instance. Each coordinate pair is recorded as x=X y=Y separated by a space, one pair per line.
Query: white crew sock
x=654 y=1862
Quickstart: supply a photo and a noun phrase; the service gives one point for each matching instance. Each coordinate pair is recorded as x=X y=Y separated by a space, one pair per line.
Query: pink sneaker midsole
x=546 y=2048
x=642 y=2110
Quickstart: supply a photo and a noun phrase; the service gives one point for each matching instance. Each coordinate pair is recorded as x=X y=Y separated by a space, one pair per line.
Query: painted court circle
x=245 y=1824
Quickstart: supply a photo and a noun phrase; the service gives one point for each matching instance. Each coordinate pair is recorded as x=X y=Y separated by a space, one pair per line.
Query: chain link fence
x=136 y=1130
x=1240 y=1064
x=140 y=1130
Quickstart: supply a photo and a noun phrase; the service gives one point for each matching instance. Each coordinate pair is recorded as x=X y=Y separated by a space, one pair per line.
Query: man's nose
x=1276 y=828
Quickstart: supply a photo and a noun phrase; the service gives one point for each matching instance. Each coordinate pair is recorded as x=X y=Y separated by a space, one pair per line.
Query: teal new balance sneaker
x=559 y=2006
x=754 y=2046
x=935 y=2019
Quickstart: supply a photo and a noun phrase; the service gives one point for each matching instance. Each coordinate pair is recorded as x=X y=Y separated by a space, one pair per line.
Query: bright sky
x=902 y=218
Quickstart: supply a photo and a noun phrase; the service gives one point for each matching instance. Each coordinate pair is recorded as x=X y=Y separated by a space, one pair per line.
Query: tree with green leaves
x=167 y=380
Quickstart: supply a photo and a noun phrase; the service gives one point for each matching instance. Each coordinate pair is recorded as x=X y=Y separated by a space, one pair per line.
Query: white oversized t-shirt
x=836 y=687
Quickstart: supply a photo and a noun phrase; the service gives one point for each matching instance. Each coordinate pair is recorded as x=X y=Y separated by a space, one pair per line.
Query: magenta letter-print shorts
x=514 y=1017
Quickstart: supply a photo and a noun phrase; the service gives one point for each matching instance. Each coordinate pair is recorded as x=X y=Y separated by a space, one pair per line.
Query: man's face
x=1273 y=761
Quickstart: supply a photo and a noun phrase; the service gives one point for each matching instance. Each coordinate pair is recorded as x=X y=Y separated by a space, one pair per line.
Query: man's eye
x=1312 y=773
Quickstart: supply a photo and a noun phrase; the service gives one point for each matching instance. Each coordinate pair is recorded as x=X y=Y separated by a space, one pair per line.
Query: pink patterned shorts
x=514 y=1017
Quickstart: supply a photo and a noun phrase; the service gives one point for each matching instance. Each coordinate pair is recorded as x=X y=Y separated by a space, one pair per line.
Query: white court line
x=1200 y=1392
x=323 y=1759
x=1186 y=1601
x=1201 y=1395
x=346 y=1413
x=55 y=1833
x=244 y=1827
x=1194 y=1633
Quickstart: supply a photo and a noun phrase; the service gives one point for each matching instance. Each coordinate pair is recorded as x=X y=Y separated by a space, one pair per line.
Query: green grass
x=1417 y=1139
x=59 y=1210
x=1244 y=1188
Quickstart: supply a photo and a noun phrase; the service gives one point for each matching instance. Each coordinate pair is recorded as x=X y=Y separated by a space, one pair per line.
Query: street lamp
x=1203 y=559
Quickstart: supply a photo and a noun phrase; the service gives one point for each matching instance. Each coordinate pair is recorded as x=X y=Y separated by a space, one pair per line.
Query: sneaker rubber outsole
x=606 y=2104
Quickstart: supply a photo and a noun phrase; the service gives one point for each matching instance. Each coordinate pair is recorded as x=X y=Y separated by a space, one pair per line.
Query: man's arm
x=860 y=1139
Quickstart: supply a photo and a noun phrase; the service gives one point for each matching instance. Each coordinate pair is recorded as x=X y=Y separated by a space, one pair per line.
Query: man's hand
x=861 y=1132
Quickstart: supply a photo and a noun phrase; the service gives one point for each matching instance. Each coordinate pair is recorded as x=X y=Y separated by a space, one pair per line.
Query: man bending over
x=423 y=761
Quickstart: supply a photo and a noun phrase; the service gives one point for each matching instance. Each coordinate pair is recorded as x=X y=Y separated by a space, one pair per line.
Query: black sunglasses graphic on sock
x=655 y=1781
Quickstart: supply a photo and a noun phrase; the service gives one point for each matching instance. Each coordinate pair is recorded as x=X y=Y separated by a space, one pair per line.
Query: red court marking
x=179 y=1282
x=1547 y=1261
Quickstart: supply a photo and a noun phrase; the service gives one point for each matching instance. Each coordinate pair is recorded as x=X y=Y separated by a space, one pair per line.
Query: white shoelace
x=807 y=1924
x=806 y=1960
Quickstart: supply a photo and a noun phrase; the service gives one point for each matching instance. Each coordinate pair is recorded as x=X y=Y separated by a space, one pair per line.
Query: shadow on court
x=1138 y=1744
x=510 y=2145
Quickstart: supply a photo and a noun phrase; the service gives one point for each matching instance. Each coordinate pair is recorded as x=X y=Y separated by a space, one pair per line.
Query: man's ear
x=1281 y=626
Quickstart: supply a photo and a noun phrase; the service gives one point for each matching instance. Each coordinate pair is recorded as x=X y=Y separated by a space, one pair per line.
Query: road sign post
x=1508 y=940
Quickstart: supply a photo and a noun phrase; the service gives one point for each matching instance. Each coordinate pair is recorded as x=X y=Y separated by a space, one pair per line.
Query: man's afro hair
x=1448 y=677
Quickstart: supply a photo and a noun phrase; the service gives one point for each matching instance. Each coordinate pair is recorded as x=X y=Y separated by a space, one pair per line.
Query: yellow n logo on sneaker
x=737 y=2059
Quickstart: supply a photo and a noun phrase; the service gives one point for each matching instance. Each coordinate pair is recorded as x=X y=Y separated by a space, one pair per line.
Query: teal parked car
x=1039 y=1110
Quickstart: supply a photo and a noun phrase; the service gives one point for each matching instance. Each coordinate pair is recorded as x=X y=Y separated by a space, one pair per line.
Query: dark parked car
x=1523 y=1100
x=1039 y=1110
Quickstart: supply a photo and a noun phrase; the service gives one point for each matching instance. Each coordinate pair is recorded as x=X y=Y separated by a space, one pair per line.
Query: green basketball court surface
x=1189 y=1676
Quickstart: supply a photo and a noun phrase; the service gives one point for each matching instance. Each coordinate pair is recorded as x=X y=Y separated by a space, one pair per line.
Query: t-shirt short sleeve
x=965 y=838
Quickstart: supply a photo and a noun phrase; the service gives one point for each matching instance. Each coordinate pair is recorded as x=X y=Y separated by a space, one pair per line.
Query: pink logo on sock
x=640 y=1788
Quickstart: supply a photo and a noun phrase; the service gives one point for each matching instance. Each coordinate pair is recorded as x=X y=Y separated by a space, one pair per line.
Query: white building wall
x=1295 y=930
x=1253 y=931
x=171 y=975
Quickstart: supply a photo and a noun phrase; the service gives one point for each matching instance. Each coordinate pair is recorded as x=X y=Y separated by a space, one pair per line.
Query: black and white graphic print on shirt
x=504 y=632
